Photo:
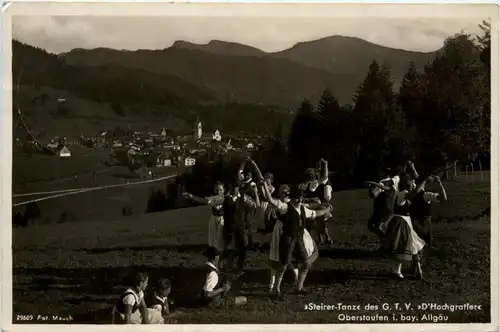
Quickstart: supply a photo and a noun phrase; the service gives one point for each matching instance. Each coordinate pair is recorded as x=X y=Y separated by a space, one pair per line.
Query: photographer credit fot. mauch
x=315 y=170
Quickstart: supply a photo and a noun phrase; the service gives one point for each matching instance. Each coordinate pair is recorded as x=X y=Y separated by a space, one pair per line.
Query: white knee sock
x=397 y=268
x=273 y=279
x=296 y=275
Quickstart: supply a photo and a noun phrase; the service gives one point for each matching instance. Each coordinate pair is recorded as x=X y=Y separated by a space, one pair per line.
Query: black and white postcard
x=260 y=165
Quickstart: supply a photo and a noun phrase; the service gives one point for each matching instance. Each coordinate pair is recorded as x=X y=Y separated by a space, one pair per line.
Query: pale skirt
x=274 y=252
x=260 y=215
x=216 y=232
x=400 y=237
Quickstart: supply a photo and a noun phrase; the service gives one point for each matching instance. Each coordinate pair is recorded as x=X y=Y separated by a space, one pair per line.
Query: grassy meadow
x=76 y=268
x=39 y=173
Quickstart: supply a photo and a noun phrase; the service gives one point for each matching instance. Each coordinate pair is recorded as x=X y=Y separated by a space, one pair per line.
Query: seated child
x=214 y=286
x=131 y=306
x=158 y=299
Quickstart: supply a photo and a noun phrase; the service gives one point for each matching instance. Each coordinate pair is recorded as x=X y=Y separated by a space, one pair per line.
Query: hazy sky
x=62 y=33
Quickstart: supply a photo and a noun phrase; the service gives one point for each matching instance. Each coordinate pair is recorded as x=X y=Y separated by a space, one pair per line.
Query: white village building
x=189 y=161
x=64 y=153
x=217 y=136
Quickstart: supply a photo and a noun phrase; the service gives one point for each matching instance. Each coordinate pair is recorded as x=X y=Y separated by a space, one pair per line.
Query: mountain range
x=229 y=86
x=241 y=73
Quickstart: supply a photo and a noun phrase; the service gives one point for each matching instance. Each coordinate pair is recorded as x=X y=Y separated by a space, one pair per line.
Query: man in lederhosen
x=318 y=189
x=229 y=228
x=245 y=210
x=246 y=186
x=383 y=202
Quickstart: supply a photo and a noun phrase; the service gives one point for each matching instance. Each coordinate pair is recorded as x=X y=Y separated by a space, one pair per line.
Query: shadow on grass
x=343 y=253
x=332 y=253
x=103 y=286
x=177 y=248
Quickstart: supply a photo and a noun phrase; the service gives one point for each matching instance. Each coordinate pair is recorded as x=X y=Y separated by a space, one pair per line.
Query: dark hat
x=211 y=252
x=295 y=192
x=310 y=171
x=269 y=176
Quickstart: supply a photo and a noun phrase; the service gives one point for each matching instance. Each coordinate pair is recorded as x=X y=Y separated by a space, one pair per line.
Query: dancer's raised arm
x=442 y=192
x=260 y=178
x=268 y=196
x=323 y=177
x=255 y=194
x=241 y=175
x=431 y=197
x=257 y=170
x=413 y=171
x=212 y=200
x=378 y=185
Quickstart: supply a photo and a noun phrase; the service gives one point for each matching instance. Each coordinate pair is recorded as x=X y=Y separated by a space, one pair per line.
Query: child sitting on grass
x=131 y=306
x=214 y=286
x=158 y=299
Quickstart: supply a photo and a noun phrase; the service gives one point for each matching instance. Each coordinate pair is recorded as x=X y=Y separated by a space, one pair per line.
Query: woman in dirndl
x=216 y=221
x=400 y=240
x=279 y=207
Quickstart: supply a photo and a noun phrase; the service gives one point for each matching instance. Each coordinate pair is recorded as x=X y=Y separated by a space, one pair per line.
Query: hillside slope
x=85 y=116
x=107 y=83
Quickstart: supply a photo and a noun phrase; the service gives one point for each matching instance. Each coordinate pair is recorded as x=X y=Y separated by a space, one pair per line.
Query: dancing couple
x=401 y=216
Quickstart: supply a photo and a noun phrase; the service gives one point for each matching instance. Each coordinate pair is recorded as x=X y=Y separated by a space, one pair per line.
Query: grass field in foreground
x=76 y=268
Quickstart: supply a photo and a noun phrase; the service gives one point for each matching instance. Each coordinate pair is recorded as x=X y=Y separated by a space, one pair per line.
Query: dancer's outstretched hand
x=330 y=208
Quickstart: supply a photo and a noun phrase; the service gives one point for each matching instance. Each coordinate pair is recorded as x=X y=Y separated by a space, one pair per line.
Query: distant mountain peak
x=219 y=47
x=347 y=41
x=181 y=43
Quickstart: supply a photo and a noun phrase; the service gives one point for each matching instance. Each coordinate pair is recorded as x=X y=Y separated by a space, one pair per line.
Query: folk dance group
x=287 y=218
x=401 y=218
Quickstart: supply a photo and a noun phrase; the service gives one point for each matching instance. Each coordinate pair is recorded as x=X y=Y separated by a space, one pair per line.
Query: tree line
x=437 y=116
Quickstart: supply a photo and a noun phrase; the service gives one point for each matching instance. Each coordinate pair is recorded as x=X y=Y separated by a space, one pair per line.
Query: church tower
x=198 y=130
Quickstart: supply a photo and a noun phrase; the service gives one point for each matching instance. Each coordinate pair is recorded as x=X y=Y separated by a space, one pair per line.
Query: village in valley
x=162 y=149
